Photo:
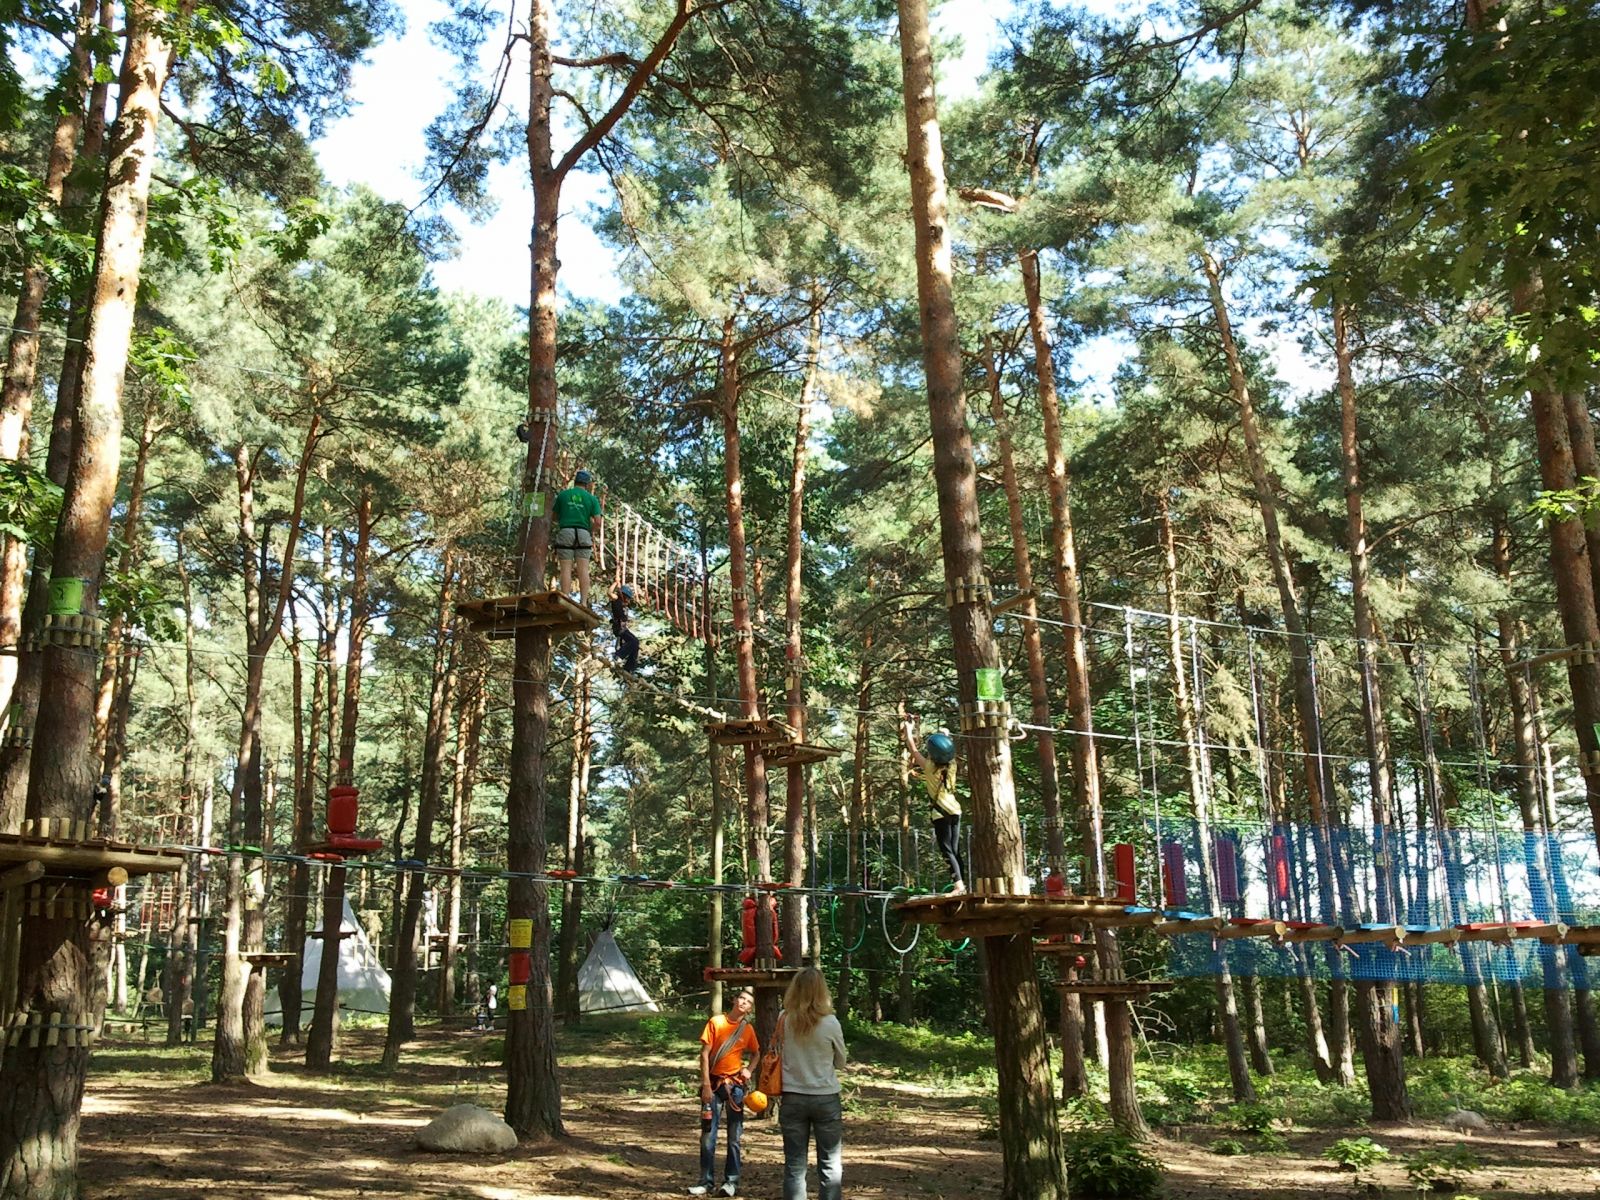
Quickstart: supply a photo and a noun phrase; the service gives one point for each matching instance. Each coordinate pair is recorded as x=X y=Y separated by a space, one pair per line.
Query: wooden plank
x=1271 y=929
x=1432 y=937
x=1393 y=935
x=797 y=754
x=502 y=616
x=1063 y=949
x=1200 y=925
x=87 y=856
x=1314 y=933
x=1120 y=989
x=1013 y=602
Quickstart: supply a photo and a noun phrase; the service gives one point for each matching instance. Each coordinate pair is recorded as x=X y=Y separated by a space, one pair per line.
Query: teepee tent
x=363 y=983
x=606 y=983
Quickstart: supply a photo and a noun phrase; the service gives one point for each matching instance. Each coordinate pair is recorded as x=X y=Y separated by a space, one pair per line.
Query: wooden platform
x=1063 y=949
x=1001 y=916
x=60 y=846
x=797 y=754
x=1118 y=989
x=269 y=958
x=752 y=731
x=756 y=977
x=502 y=616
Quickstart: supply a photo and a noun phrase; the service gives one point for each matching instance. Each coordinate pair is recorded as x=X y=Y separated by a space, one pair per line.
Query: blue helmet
x=583 y=477
x=625 y=592
x=940 y=748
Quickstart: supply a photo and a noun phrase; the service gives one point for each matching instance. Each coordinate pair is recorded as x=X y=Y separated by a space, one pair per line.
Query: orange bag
x=769 y=1076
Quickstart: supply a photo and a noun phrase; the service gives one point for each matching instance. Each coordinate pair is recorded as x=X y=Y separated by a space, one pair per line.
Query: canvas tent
x=606 y=983
x=363 y=983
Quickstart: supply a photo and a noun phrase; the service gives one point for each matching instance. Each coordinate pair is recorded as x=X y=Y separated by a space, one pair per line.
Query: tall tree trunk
x=1244 y=1091
x=794 y=848
x=183 y=941
x=297 y=902
x=1377 y=1030
x=403 y=994
x=16 y=754
x=1030 y=1133
x=855 y=914
x=240 y=1046
x=1074 y=1077
x=756 y=806
x=1124 y=1106
x=1553 y=959
x=22 y=357
x=1331 y=882
x=469 y=725
x=39 y=1125
x=572 y=857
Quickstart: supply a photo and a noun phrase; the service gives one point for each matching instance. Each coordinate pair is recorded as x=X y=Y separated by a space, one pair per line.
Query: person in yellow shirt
x=935 y=761
x=725 y=1043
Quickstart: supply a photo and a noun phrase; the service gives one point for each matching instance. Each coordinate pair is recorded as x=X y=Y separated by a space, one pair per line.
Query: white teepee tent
x=363 y=983
x=606 y=983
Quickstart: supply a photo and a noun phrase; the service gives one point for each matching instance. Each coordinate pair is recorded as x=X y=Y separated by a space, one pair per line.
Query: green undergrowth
x=1183 y=1085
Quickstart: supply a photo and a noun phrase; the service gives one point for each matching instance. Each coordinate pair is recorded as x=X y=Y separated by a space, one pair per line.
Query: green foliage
x=1251 y=1118
x=1441 y=1170
x=29 y=503
x=1108 y=1163
x=1356 y=1154
x=1227 y=1147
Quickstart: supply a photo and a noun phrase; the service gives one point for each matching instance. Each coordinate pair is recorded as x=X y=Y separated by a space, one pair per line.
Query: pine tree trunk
x=756 y=807
x=1030 y=1133
x=1125 y=1109
x=1260 y=1055
x=22 y=357
x=572 y=858
x=855 y=914
x=1244 y=1091
x=1376 y=1028
x=296 y=904
x=403 y=991
x=39 y=1123
x=794 y=849
x=181 y=945
x=469 y=725
x=719 y=808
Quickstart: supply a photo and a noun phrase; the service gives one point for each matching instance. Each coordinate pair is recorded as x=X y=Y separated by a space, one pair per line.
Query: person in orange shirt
x=724 y=1079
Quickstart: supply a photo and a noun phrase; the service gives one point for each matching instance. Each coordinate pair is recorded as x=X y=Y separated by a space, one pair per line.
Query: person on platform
x=728 y=1047
x=935 y=761
x=577 y=525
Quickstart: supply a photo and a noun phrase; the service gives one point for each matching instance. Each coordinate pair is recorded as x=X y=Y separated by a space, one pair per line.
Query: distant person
x=486 y=1009
x=627 y=642
x=812 y=1045
x=724 y=1080
x=936 y=764
x=577 y=521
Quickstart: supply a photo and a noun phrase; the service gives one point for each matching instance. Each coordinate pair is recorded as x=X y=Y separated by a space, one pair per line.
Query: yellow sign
x=521 y=933
x=517 y=997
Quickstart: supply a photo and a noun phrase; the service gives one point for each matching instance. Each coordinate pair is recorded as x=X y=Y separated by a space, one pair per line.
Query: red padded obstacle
x=1122 y=865
x=342 y=839
x=747 y=921
x=1177 y=886
x=1227 y=869
x=1278 y=863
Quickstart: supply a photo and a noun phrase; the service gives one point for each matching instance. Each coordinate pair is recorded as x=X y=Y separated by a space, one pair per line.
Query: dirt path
x=154 y=1129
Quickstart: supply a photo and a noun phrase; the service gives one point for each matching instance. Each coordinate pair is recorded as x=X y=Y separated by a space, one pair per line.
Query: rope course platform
x=502 y=616
x=1062 y=949
x=269 y=958
x=996 y=914
x=797 y=754
x=749 y=731
x=64 y=845
x=756 y=977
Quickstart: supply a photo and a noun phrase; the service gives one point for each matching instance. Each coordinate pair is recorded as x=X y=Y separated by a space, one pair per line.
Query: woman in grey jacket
x=813 y=1052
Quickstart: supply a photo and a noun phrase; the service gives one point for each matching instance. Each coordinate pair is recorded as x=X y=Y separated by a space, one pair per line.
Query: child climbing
x=724 y=1081
x=936 y=764
x=577 y=520
x=627 y=642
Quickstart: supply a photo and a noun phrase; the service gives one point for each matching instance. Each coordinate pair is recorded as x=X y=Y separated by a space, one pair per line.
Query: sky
x=406 y=82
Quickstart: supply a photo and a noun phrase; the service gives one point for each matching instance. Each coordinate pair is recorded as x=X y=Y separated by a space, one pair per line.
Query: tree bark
x=403 y=993
x=22 y=356
x=855 y=914
x=794 y=848
x=39 y=1125
x=1377 y=1029
x=470 y=709
x=1030 y=1133
x=572 y=858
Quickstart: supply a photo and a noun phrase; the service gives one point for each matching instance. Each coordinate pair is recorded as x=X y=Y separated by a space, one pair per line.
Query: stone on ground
x=1464 y=1120
x=467 y=1129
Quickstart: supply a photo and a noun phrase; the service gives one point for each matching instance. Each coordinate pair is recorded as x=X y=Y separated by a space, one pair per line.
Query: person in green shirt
x=577 y=521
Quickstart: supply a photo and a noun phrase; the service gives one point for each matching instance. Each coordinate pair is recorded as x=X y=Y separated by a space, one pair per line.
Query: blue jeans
x=720 y=1110
x=801 y=1117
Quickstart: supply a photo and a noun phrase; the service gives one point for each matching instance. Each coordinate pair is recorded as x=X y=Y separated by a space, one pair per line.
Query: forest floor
x=154 y=1127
